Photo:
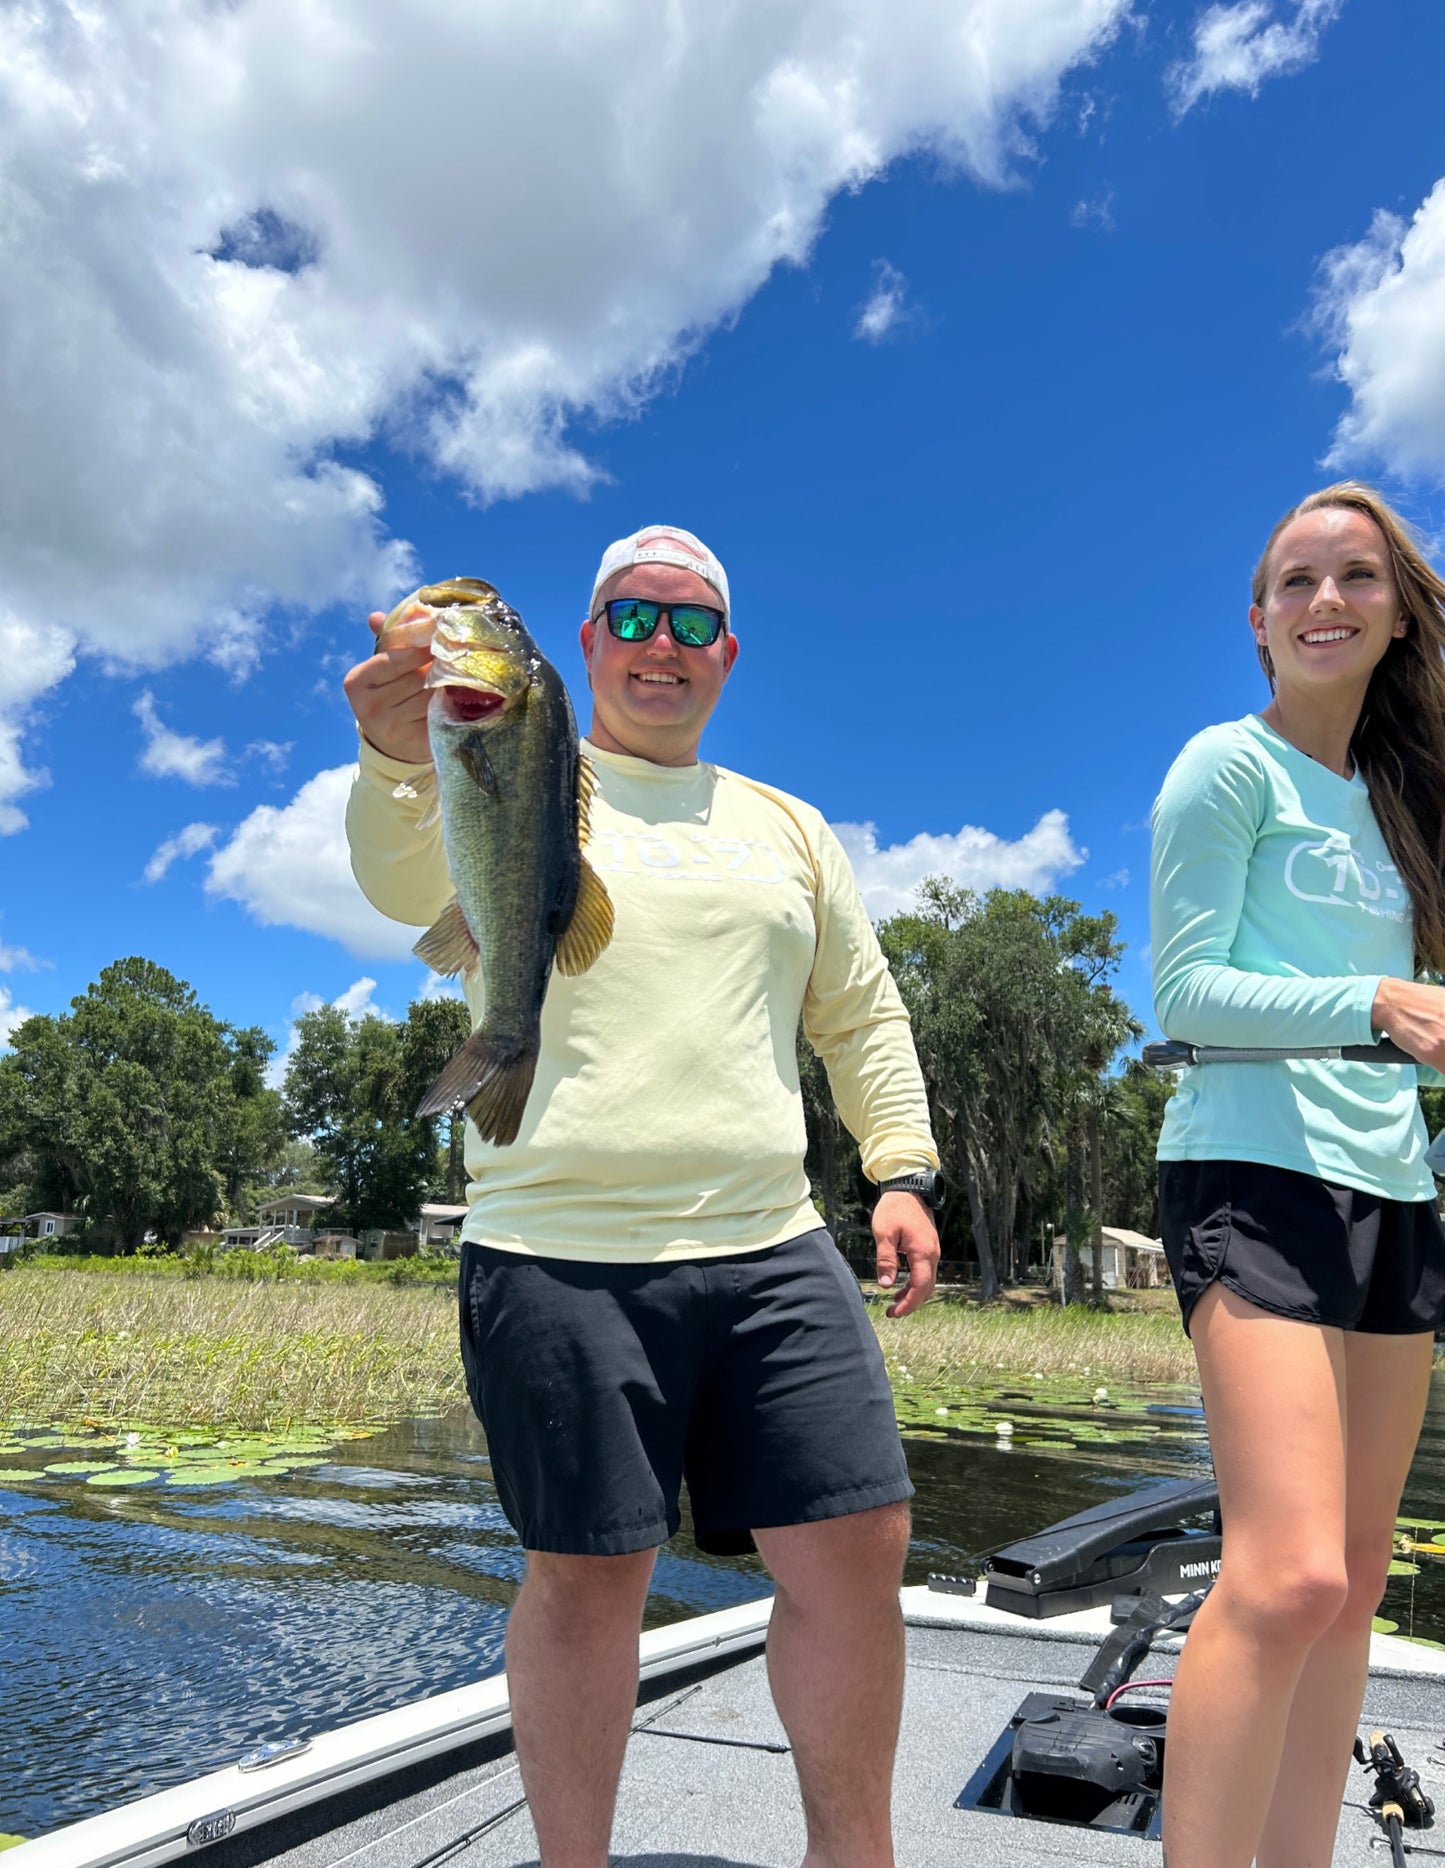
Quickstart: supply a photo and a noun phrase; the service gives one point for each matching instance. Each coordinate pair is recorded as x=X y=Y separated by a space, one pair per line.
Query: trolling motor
x=1398 y=1801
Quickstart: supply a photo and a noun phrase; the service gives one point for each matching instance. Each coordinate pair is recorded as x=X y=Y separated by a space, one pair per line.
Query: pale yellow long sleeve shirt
x=666 y=1121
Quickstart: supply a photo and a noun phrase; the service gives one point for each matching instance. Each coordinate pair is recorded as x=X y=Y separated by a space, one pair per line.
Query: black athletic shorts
x=601 y=1387
x=1302 y=1247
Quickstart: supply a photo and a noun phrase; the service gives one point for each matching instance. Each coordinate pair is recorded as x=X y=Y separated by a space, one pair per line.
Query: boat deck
x=709 y=1780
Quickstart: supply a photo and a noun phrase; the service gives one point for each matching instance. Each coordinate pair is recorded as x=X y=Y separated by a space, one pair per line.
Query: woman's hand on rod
x=1414 y=1017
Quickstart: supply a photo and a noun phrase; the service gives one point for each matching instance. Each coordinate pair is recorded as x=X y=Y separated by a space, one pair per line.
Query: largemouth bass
x=513 y=792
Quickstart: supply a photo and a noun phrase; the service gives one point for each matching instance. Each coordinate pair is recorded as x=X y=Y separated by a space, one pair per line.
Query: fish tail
x=493 y=1077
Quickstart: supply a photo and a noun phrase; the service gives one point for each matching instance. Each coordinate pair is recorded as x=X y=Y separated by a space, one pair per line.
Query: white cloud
x=178 y=755
x=230 y=251
x=189 y=841
x=1239 y=47
x=274 y=753
x=434 y=986
x=289 y=866
x=34 y=658
x=973 y=858
x=884 y=311
x=11 y=1016
x=1381 y=302
x=1096 y=213
x=12 y=959
x=357 y=1002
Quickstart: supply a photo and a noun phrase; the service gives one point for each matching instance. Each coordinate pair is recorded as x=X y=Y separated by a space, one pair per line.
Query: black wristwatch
x=927 y=1183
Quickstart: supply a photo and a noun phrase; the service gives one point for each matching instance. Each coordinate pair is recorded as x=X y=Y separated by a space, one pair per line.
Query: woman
x=1298 y=890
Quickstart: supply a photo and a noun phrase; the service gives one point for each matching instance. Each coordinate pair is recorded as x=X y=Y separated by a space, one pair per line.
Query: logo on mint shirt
x=1333 y=873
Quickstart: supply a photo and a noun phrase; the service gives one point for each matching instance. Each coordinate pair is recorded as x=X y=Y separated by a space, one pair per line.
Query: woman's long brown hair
x=1399 y=742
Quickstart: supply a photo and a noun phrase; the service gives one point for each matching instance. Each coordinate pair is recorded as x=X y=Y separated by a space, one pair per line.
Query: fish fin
x=432 y=814
x=588 y=932
x=586 y=792
x=493 y=1077
x=473 y=755
x=447 y=946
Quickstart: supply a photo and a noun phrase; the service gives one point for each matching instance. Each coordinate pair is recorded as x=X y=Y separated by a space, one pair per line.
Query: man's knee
x=583 y=1589
x=854 y=1557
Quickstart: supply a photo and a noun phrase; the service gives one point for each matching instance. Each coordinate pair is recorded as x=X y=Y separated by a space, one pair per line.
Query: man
x=646 y=1293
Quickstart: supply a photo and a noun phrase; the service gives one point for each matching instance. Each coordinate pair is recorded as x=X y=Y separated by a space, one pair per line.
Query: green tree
x=345 y=1094
x=435 y=1030
x=137 y=1108
x=833 y=1166
x=1131 y=1116
x=1014 y=1017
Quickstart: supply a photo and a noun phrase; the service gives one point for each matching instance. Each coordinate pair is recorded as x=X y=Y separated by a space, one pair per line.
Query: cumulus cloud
x=12 y=1016
x=884 y=311
x=34 y=658
x=178 y=755
x=434 y=986
x=973 y=858
x=1239 y=47
x=189 y=841
x=1381 y=304
x=288 y=865
x=232 y=253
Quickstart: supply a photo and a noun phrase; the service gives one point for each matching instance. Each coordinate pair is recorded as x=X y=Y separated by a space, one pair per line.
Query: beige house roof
x=1135 y=1241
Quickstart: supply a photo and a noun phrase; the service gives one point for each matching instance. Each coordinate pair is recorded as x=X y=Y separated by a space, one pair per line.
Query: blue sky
x=984 y=344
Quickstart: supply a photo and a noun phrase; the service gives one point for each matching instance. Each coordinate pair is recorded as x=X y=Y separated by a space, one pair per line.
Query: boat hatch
x=1061 y=1759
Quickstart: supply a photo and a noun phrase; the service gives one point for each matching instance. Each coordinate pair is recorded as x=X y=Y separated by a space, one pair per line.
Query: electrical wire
x=1132 y=1686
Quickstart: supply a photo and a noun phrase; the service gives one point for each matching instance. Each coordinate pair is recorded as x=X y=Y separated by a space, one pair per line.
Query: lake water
x=152 y=1634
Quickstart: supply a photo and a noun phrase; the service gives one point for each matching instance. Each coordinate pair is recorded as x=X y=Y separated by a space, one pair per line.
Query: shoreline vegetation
x=122 y=1340
x=78 y=1342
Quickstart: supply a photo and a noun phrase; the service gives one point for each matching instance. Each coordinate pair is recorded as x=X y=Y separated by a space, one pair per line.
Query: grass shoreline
x=82 y=1343
x=78 y=1343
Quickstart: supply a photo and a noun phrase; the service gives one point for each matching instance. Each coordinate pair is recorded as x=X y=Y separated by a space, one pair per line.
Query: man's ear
x=730 y=654
x=587 y=635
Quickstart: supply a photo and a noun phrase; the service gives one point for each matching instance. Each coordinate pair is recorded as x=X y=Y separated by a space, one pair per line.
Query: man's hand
x=903 y=1228
x=389 y=701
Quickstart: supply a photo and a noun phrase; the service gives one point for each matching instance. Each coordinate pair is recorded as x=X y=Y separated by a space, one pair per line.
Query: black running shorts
x=602 y=1387
x=1303 y=1248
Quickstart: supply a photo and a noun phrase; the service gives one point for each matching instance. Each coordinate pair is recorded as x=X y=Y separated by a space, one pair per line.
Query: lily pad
x=64 y=1467
x=205 y=1475
x=14 y=1474
x=1383 y=1625
x=119 y=1477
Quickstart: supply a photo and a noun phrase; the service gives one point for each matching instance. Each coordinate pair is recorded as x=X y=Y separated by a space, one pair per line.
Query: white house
x=286 y=1220
x=1132 y=1261
x=51 y=1225
x=439 y=1224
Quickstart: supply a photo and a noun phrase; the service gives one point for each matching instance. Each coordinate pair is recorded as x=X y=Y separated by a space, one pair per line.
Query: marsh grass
x=204 y=1352
x=962 y=1343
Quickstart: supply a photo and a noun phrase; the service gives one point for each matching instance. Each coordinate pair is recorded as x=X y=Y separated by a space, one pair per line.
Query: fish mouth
x=466 y=704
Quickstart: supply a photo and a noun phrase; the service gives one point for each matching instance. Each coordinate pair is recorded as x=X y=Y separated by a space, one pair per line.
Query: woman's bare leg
x=1274 y=1397
x=1387 y=1385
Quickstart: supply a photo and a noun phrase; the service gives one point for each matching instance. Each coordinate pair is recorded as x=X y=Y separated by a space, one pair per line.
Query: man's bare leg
x=572 y=1672
x=835 y=1661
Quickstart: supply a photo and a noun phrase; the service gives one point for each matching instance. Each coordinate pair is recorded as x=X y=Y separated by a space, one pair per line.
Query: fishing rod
x=1176 y=1054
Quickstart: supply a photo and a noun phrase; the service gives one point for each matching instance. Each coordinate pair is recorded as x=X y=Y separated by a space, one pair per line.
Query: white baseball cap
x=672 y=545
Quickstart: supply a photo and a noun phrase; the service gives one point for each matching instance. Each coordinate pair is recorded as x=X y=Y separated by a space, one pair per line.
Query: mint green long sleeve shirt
x=1275 y=912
